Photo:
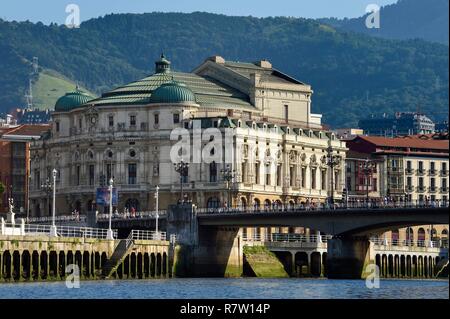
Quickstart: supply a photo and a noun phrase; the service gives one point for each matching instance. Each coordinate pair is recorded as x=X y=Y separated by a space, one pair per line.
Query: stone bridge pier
x=347 y=257
x=203 y=251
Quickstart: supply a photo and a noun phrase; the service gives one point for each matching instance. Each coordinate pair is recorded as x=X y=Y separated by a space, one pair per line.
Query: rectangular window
x=57 y=126
x=349 y=183
x=303 y=177
x=78 y=175
x=420 y=166
x=432 y=166
x=244 y=172
x=257 y=173
x=313 y=178
x=91 y=174
x=111 y=121
x=268 y=181
x=80 y=123
x=176 y=118
x=286 y=113
x=292 y=176
x=156 y=118
x=421 y=182
x=109 y=170
x=324 y=180
x=375 y=185
x=444 y=166
x=37 y=179
x=409 y=182
x=213 y=172
x=279 y=175
x=132 y=120
x=408 y=165
x=132 y=173
x=433 y=183
x=444 y=183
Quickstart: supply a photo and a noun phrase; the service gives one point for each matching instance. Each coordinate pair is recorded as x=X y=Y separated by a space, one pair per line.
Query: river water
x=224 y=288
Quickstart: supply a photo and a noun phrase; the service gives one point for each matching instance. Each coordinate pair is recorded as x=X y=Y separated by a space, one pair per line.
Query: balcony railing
x=432 y=172
x=420 y=171
x=420 y=189
x=432 y=189
x=409 y=188
x=409 y=171
x=444 y=172
x=444 y=189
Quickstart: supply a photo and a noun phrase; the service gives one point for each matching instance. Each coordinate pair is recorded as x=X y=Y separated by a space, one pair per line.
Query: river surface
x=224 y=288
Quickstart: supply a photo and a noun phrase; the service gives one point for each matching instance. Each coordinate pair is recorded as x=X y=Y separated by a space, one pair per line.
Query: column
x=39 y=266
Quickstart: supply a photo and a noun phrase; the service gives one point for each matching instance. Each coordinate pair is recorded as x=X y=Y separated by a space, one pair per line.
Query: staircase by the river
x=120 y=252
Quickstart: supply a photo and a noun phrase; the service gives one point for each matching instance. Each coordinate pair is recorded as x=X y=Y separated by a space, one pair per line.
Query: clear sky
x=48 y=11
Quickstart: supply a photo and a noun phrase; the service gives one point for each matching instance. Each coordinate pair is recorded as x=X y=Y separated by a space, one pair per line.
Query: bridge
x=339 y=222
x=214 y=238
x=211 y=242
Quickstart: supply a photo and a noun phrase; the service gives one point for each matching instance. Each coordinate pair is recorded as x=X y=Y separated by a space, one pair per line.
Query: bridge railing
x=290 y=237
x=279 y=208
x=61 y=218
x=136 y=215
x=68 y=231
x=442 y=243
x=147 y=235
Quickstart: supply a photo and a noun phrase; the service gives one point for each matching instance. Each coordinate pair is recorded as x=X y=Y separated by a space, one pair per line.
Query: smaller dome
x=72 y=100
x=173 y=92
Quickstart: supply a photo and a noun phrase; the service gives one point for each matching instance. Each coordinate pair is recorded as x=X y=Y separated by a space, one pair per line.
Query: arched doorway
x=395 y=237
x=243 y=202
x=278 y=205
x=256 y=204
x=421 y=237
x=267 y=204
x=409 y=236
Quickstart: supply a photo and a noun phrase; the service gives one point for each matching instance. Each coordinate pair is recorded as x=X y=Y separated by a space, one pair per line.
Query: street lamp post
x=53 y=232
x=181 y=168
x=228 y=175
x=332 y=161
x=368 y=167
x=109 y=233
x=157 y=214
x=47 y=188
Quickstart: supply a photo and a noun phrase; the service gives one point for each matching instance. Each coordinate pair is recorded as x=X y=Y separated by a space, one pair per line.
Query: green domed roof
x=173 y=92
x=72 y=100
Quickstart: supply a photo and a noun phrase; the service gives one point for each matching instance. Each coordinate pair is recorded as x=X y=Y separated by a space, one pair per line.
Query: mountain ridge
x=350 y=73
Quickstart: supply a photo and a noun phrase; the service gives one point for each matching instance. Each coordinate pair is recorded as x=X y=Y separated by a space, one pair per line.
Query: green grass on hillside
x=51 y=86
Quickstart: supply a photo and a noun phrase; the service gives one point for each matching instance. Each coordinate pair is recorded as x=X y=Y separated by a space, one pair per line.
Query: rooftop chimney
x=264 y=64
x=217 y=59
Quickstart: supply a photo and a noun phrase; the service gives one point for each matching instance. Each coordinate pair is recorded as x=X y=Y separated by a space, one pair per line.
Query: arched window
x=395 y=237
x=421 y=237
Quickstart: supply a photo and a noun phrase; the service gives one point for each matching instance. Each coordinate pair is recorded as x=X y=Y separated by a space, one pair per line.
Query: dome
x=162 y=65
x=72 y=100
x=173 y=92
